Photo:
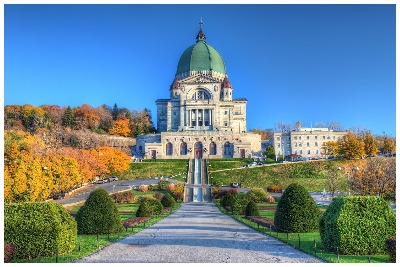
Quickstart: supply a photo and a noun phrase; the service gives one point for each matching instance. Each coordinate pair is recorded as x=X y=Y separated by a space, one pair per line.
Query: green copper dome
x=201 y=56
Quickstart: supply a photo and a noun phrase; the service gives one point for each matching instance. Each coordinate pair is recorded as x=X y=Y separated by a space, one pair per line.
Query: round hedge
x=155 y=206
x=168 y=200
x=98 y=215
x=257 y=195
x=38 y=229
x=252 y=209
x=297 y=212
x=228 y=200
x=358 y=225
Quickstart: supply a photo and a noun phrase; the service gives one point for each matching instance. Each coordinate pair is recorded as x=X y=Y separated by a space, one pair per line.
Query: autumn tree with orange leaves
x=115 y=160
x=120 y=126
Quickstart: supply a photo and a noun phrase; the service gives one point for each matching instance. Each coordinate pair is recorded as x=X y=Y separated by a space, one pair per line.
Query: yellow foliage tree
x=120 y=126
x=351 y=147
x=114 y=159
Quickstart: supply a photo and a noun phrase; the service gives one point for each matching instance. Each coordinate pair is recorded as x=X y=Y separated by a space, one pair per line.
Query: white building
x=305 y=143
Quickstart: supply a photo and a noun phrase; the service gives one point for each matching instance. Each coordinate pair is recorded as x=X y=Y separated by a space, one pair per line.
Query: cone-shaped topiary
x=98 y=215
x=143 y=210
x=358 y=225
x=168 y=200
x=252 y=209
x=297 y=212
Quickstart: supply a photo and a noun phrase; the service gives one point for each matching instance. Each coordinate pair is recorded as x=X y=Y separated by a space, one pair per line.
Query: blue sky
x=309 y=63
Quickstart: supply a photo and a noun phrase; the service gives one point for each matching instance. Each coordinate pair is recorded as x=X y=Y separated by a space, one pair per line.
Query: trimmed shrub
x=178 y=196
x=163 y=184
x=257 y=195
x=158 y=196
x=171 y=187
x=391 y=247
x=38 y=229
x=154 y=187
x=9 y=251
x=179 y=188
x=118 y=197
x=168 y=201
x=297 y=212
x=232 y=191
x=252 y=209
x=155 y=206
x=98 y=215
x=143 y=210
x=228 y=201
x=270 y=199
x=358 y=225
x=143 y=188
x=240 y=204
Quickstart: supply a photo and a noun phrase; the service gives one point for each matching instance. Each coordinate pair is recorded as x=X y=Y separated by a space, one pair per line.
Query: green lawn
x=307 y=240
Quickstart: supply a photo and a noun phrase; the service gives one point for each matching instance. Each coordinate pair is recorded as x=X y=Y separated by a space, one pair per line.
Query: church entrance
x=198 y=150
x=242 y=153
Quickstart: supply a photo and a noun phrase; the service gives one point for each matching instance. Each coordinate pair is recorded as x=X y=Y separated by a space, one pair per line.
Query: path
x=198 y=232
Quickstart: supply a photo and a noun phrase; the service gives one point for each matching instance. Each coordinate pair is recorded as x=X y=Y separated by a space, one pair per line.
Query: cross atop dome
x=201 y=37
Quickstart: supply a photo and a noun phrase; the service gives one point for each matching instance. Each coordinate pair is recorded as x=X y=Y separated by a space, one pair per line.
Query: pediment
x=199 y=79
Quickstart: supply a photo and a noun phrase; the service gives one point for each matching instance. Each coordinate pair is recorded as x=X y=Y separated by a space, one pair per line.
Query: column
x=197 y=117
x=203 y=118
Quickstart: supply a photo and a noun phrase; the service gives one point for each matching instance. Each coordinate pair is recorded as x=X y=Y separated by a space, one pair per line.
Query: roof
x=201 y=56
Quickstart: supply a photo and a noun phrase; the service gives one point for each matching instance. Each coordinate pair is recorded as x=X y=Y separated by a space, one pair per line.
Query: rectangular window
x=316 y=143
x=295 y=138
x=226 y=112
x=295 y=144
x=316 y=137
x=316 y=152
x=299 y=137
x=334 y=137
x=279 y=145
x=308 y=138
x=278 y=138
x=308 y=144
x=323 y=137
x=309 y=152
x=301 y=152
x=300 y=144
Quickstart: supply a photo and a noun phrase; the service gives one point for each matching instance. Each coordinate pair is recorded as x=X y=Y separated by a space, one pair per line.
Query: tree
x=389 y=145
x=114 y=159
x=270 y=152
x=331 y=148
x=68 y=118
x=115 y=112
x=332 y=181
x=252 y=209
x=378 y=177
x=120 y=127
x=369 y=144
x=98 y=215
x=351 y=147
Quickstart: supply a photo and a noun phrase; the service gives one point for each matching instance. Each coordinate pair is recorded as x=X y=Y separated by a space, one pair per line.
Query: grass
x=307 y=240
x=87 y=244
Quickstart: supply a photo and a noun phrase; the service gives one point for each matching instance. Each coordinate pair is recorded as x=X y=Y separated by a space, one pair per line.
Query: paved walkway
x=198 y=232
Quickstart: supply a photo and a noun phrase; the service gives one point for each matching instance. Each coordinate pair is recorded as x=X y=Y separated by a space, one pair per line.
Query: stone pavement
x=199 y=232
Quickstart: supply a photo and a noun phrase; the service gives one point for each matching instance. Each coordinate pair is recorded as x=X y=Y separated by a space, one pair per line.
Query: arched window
x=169 y=149
x=213 y=149
x=201 y=95
x=183 y=148
x=227 y=148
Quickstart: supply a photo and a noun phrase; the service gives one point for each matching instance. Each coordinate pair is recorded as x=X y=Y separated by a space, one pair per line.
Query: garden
x=46 y=232
x=357 y=229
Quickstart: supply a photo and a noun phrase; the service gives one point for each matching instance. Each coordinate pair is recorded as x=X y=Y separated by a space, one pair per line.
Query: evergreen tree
x=270 y=152
x=115 y=112
x=68 y=118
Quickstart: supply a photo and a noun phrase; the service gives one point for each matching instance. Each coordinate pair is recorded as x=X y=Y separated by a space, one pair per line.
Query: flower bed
x=261 y=221
x=132 y=222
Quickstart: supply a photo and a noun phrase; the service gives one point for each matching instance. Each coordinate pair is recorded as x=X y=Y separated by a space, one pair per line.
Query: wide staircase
x=197 y=188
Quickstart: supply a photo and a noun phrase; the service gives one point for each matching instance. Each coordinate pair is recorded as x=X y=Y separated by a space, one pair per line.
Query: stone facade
x=306 y=143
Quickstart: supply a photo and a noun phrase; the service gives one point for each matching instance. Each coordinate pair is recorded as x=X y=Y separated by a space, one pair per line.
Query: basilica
x=200 y=118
